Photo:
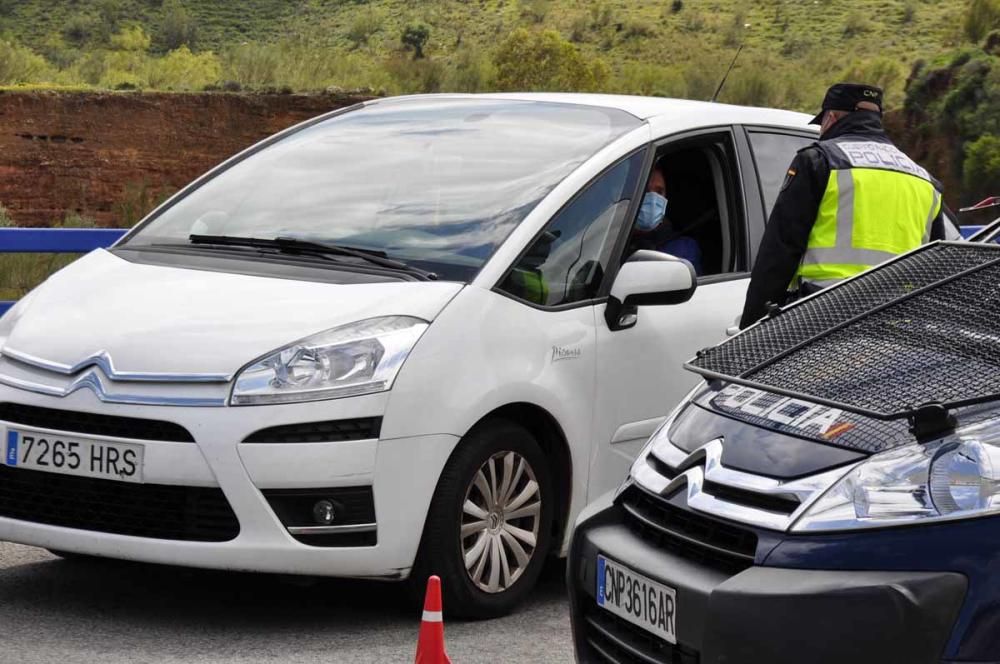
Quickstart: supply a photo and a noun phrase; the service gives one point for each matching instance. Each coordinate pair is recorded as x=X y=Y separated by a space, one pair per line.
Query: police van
x=830 y=493
x=411 y=336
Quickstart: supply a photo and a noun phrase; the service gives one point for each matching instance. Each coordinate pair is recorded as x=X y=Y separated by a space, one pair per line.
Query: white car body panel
x=605 y=391
x=179 y=330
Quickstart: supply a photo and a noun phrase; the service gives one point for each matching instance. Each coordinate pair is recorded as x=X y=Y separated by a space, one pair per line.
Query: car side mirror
x=648 y=278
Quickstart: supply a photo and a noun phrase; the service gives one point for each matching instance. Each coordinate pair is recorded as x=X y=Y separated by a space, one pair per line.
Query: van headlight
x=955 y=477
x=359 y=358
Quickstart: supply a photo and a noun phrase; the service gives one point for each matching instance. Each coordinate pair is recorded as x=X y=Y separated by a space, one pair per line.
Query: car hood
x=156 y=319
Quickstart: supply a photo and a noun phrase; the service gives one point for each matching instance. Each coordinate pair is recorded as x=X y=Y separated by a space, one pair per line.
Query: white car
x=406 y=337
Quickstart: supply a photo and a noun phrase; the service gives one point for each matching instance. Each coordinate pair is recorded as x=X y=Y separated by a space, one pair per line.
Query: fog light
x=323 y=512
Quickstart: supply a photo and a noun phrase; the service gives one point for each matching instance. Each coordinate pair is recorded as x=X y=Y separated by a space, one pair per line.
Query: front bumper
x=761 y=614
x=402 y=472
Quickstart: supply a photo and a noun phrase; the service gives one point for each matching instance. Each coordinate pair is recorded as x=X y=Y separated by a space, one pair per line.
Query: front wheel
x=489 y=526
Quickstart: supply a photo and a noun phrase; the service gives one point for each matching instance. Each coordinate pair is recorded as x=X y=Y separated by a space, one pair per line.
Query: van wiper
x=298 y=245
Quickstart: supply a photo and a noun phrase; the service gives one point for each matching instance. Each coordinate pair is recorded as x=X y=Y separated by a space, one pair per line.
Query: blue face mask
x=654 y=208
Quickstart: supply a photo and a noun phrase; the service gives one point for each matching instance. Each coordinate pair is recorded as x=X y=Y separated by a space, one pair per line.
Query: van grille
x=722 y=546
x=194 y=514
x=612 y=639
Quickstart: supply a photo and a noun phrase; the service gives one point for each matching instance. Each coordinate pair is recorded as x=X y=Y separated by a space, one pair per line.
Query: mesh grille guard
x=913 y=338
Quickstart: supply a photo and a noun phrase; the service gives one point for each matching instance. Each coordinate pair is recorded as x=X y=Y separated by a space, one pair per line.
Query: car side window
x=773 y=154
x=567 y=261
x=704 y=221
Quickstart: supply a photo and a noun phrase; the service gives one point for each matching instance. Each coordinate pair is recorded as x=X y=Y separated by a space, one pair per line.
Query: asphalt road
x=55 y=611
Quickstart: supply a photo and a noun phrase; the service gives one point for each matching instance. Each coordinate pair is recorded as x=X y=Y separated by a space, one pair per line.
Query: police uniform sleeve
x=943 y=228
x=787 y=234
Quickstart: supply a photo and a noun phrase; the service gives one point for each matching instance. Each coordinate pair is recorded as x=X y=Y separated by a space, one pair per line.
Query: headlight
x=359 y=358
x=956 y=477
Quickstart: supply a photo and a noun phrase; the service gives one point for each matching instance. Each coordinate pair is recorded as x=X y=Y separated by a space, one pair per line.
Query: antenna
x=731 y=65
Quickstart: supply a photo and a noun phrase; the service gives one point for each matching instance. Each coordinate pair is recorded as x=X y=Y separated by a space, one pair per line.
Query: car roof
x=646 y=108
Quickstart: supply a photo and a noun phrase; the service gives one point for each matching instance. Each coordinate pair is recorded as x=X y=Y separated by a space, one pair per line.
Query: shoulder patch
x=789 y=176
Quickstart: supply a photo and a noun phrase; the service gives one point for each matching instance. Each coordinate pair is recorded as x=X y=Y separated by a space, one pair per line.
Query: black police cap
x=846 y=97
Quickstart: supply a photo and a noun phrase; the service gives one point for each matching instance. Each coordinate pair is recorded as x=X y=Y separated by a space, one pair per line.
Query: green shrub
x=633 y=29
x=414 y=38
x=700 y=82
x=981 y=169
x=5 y=218
x=109 y=18
x=78 y=30
x=752 y=86
x=252 y=66
x=735 y=31
x=182 y=70
x=694 y=22
x=300 y=65
x=650 y=79
x=579 y=29
x=536 y=11
x=130 y=38
x=981 y=17
x=471 y=72
x=416 y=76
x=363 y=27
x=600 y=16
x=545 y=61
x=856 y=24
x=22 y=65
x=177 y=27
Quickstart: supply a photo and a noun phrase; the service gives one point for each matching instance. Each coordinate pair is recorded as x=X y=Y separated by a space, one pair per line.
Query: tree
x=545 y=61
x=415 y=37
x=177 y=27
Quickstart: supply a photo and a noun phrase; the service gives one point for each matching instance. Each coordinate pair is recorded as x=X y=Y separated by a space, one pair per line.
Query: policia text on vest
x=849 y=202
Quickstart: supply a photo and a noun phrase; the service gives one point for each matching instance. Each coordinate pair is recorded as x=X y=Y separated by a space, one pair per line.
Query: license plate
x=636 y=598
x=57 y=453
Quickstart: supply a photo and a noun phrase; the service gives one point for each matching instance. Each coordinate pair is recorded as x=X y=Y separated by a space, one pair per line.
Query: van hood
x=157 y=319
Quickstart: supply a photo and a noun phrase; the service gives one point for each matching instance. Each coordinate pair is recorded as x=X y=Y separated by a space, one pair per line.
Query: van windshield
x=436 y=183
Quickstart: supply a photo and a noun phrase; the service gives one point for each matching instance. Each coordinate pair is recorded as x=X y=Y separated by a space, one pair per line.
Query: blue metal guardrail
x=82 y=240
x=54 y=241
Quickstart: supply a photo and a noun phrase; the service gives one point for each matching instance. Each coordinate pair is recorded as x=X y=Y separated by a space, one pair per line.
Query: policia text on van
x=849 y=201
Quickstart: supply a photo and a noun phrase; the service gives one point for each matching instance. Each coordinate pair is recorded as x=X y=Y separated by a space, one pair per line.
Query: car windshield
x=436 y=183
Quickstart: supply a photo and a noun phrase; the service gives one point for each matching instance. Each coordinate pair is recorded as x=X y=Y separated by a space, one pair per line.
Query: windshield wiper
x=298 y=245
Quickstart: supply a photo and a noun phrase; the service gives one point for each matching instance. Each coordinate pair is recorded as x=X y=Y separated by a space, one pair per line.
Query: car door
x=639 y=368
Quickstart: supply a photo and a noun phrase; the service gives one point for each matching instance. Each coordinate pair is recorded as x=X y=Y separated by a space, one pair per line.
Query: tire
x=496 y=590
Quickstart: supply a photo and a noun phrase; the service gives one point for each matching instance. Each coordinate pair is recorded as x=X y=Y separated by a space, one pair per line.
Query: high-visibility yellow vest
x=878 y=204
x=528 y=285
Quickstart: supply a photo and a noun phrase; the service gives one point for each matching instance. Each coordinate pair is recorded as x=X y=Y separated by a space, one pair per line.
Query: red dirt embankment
x=96 y=153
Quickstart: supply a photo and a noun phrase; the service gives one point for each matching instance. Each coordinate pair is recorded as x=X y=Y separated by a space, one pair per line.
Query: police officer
x=848 y=202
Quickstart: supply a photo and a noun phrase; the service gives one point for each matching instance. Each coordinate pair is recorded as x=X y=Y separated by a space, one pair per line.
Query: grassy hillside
x=794 y=48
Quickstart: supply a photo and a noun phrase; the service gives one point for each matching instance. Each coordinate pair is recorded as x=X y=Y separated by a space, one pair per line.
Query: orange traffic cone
x=430 y=645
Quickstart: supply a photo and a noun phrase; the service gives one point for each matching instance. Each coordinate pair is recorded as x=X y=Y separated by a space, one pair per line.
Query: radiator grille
x=195 y=514
x=90 y=423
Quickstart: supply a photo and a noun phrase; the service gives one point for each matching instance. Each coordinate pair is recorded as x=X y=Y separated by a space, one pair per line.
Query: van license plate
x=56 y=453
x=637 y=599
